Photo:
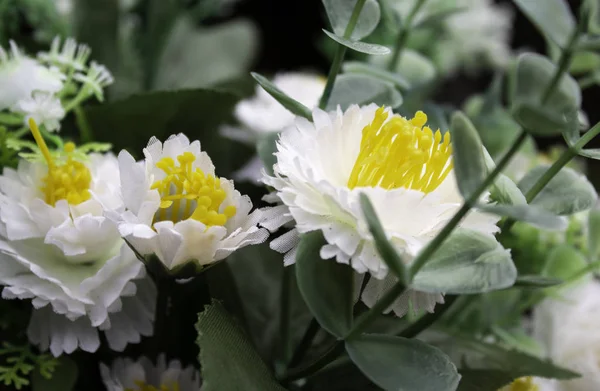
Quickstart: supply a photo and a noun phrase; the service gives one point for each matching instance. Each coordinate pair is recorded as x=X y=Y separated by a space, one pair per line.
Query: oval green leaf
x=553 y=18
x=401 y=364
x=467 y=154
x=286 y=101
x=325 y=285
x=468 y=262
x=340 y=11
x=357 y=89
x=371 y=70
x=362 y=47
x=564 y=262
x=534 y=215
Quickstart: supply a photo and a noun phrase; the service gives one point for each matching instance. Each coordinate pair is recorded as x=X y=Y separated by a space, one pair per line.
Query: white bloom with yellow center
x=568 y=327
x=179 y=210
x=402 y=166
x=21 y=75
x=262 y=114
x=43 y=107
x=142 y=375
x=58 y=249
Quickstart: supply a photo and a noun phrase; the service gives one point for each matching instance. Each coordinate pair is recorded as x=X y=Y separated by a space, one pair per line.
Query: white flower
x=44 y=107
x=263 y=114
x=72 y=56
x=21 y=75
x=530 y=384
x=58 y=249
x=323 y=167
x=97 y=77
x=480 y=33
x=126 y=374
x=568 y=327
x=179 y=210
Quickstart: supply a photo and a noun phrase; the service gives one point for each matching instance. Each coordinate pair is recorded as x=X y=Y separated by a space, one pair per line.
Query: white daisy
x=21 y=75
x=531 y=384
x=142 y=375
x=179 y=210
x=44 y=107
x=402 y=166
x=58 y=249
x=96 y=79
x=263 y=114
x=71 y=56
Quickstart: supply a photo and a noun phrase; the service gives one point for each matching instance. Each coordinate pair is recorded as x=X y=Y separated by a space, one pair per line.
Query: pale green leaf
x=357 y=89
x=286 y=101
x=372 y=70
x=534 y=281
x=413 y=66
x=362 y=47
x=340 y=11
x=266 y=146
x=553 y=18
x=584 y=62
x=593 y=234
x=532 y=214
x=401 y=364
x=325 y=284
x=567 y=193
x=505 y=191
x=564 y=262
x=467 y=154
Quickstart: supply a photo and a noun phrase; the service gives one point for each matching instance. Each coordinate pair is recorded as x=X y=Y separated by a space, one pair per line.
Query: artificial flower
x=478 y=33
x=401 y=165
x=530 y=384
x=58 y=249
x=567 y=326
x=43 y=107
x=142 y=375
x=177 y=209
x=71 y=56
x=95 y=80
x=262 y=114
x=21 y=75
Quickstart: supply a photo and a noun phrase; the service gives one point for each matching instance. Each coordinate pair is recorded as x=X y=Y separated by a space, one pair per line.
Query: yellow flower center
x=187 y=192
x=522 y=384
x=67 y=181
x=143 y=386
x=401 y=153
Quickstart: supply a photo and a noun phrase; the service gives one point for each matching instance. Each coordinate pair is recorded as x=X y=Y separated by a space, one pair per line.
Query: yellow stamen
x=521 y=384
x=401 y=153
x=69 y=181
x=143 y=386
x=187 y=192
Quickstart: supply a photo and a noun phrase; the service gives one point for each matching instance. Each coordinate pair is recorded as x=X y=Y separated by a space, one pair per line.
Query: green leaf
x=567 y=193
x=584 y=62
x=362 y=47
x=564 y=262
x=227 y=357
x=326 y=285
x=467 y=262
x=467 y=154
x=63 y=377
x=286 y=101
x=413 y=66
x=385 y=249
x=357 y=89
x=593 y=234
x=203 y=56
x=531 y=77
x=483 y=379
x=534 y=215
x=506 y=192
x=592 y=16
x=266 y=146
x=553 y=18
x=339 y=12
x=401 y=364
x=533 y=281
x=372 y=70
x=433 y=19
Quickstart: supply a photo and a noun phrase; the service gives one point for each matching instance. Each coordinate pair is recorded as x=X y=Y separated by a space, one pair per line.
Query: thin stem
x=20 y=133
x=403 y=35
x=284 y=313
x=81 y=96
x=427 y=320
x=340 y=52
x=331 y=354
x=161 y=315
x=85 y=131
x=305 y=343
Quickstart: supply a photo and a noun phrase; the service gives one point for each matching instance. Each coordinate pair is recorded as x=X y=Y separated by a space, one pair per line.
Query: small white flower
x=97 y=78
x=58 y=249
x=72 y=56
x=568 y=327
x=44 y=107
x=21 y=75
x=263 y=114
x=531 y=384
x=179 y=210
x=142 y=375
x=323 y=167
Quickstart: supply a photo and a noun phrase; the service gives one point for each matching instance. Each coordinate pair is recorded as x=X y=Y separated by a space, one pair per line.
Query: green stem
x=340 y=52
x=161 y=314
x=305 y=343
x=20 y=133
x=284 y=313
x=81 y=96
x=85 y=131
x=427 y=320
x=331 y=354
x=403 y=35
x=56 y=140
